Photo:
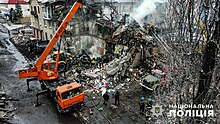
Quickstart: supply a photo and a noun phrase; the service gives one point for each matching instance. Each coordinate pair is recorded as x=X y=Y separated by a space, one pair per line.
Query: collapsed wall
x=93 y=45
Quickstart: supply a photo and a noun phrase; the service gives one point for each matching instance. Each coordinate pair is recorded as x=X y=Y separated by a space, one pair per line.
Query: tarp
x=151 y=78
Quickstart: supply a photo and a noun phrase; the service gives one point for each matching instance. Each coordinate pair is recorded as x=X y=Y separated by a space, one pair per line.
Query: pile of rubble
x=5 y=110
x=24 y=46
x=130 y=35
x=29 y=47
x=136 y=55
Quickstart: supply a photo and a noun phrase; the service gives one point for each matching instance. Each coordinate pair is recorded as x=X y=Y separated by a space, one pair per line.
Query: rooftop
x=67 y=87
x=13 y=1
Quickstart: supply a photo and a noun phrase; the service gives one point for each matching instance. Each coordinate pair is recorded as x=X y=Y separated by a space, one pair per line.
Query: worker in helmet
x=106 y=98
x=93 y=61
x=142 y=105
x=117 y=94
x=149 y=103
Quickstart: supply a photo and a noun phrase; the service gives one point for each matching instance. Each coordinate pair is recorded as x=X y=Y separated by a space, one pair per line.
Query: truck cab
x=62 y=55
x=69 y=96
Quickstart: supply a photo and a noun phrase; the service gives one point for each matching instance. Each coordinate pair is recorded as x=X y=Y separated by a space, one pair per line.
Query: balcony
x=34 y=13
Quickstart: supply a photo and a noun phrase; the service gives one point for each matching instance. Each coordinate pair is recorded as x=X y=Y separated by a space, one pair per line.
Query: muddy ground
x=25 y=111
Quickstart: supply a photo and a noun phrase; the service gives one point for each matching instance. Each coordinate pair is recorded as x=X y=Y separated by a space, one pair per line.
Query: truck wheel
x=43 y=87
x=59 y=109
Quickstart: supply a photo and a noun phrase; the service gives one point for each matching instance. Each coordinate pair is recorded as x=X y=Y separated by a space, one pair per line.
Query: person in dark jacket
x=117 y=94
x=142 y=105
x=149 y=104
x=106 y=98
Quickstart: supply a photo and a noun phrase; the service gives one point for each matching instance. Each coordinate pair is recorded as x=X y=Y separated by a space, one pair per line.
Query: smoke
x=144 y=9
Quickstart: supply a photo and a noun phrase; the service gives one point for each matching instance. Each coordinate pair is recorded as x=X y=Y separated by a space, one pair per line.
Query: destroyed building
x=87 y=28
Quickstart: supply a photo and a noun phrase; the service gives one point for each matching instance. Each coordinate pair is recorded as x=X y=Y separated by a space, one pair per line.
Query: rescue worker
x=149 y=103
x=142 y=105
x=117 y=52
x=76 y=59
x=36 y=47
x=117 y=94
x=151 y=29
x=148 y=108
x=99 y=61
x=106 y=98
x=93 y=62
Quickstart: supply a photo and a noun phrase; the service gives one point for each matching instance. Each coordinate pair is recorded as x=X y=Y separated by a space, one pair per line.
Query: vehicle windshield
x=71 y=93
x=45 y=66
x=148 y=84
x=52 y=67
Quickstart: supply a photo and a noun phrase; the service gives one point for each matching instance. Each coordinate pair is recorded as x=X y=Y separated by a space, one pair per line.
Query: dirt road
x=26 y=113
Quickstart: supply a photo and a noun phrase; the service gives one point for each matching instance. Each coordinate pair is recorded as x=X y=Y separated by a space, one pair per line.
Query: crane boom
x=58 y=34
x=47 y=74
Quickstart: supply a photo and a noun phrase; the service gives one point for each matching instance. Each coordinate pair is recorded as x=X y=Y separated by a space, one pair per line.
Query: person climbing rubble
x=148 y=108
x=93 y=62
x=106 y=98
x=117 y=94
x=142 y=105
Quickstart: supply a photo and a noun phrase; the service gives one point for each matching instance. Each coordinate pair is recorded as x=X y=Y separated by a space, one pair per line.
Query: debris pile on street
x=23 y=45
x=5 y=109
x=130 y=35
x=28 y=46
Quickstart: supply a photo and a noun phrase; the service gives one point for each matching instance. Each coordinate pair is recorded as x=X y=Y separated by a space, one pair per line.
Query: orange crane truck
x=67 y=95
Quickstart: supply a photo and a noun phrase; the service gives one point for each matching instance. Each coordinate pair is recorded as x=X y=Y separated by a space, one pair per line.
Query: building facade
x=41 y=20
x=82 y=33
x=42 y=15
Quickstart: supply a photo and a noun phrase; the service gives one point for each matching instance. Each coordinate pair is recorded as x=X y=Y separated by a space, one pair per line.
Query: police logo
x=157 y=110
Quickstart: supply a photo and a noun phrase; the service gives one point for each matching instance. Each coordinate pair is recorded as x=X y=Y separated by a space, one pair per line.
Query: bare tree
x=193 y=36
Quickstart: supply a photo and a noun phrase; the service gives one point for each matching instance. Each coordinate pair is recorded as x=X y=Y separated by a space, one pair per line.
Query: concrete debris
x=130 y=35
x=137 y=60
x=30 y=47
x=4 y=109
x=100 y=109
x=114 y=107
